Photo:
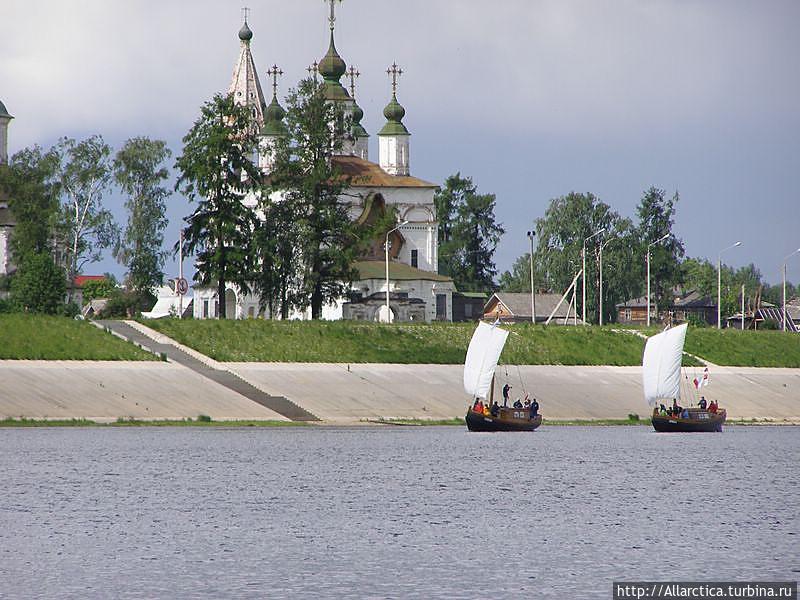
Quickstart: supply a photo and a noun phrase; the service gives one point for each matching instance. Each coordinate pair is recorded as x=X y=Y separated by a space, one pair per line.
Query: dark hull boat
x=509 y=419
x=698 y=421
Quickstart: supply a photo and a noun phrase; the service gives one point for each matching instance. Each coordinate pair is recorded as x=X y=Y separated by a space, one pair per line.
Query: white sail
x=661 y=365
x=482 y=356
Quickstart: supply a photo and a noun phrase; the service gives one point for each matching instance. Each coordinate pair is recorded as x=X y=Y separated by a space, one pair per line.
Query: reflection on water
x=391 y=512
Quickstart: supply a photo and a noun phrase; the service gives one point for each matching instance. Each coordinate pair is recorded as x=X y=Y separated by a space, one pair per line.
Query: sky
x=531 y=98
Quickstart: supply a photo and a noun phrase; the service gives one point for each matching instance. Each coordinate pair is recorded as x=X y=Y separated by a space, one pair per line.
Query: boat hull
x=698 y=422
x=507 y=420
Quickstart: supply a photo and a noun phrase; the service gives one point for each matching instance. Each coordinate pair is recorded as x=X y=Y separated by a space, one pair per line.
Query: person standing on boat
x=506 y=389
x=703 y=403
x=534 y=408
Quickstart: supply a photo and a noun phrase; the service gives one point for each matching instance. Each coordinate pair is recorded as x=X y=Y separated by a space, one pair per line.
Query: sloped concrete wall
x=105 y=391
x=339 y=392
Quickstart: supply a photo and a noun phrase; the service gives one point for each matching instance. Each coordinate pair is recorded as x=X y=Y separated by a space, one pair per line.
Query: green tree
x=656 y=215
x=561 y=232
x=216 y=170
x=39 y=285
x=468 y=233
x=85 y=228
x=139 y=170
x=31 y=185
x=99 y=288
x=700 y=275
x=318 y=241
x=518 y=279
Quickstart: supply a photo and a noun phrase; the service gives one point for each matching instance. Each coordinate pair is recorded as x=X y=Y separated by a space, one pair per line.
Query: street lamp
x=386 y=248
x=583 y=252
x=650 y=245
x=784 y=285
x=531 y=235
x=603 y=245
x=719 y=283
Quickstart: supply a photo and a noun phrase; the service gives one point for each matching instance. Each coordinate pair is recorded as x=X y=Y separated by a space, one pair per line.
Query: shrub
x=204 y=418
x=633 y=417
x=39 y=285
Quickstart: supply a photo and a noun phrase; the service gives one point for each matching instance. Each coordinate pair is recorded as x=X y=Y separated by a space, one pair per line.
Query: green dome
x=3 y=111
x=394 y=113
x=245 y=34
x=332 y=67
x=273 y=119
x=358 y=129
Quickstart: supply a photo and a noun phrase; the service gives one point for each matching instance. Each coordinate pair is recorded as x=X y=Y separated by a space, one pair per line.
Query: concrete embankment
x=106 y=391
x=339 y=393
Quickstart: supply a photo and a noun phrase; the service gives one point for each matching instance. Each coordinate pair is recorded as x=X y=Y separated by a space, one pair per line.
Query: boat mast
x=491 y=392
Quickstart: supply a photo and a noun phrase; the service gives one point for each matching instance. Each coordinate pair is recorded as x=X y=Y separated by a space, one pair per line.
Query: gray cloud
x=533 y=99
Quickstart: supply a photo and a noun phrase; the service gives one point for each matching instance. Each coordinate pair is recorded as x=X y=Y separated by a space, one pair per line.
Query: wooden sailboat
x=661 y=380
x=482 y=356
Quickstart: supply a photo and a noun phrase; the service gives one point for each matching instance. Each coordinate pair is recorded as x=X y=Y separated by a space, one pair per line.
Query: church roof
x=376 y=269
x=369 y=174
x=3 y=111
x=245 y=85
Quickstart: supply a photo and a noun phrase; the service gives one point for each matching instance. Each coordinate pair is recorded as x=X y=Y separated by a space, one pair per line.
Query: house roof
x=519 y=304
x=692 y=299
x=369 y=174
x=81 y=280
x=376 y=269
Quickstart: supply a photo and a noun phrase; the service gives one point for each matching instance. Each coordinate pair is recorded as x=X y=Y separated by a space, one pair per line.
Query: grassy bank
x=42 y=337
x=745 y=348
x=435 y=343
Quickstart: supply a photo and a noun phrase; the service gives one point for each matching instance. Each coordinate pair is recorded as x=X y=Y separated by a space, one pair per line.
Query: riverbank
x=350 y=394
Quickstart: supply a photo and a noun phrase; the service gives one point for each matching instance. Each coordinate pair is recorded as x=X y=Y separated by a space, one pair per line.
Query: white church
x=6 y=219
x=416 y=291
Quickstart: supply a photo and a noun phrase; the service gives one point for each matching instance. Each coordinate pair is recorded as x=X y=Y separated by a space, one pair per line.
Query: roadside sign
x=181 y=286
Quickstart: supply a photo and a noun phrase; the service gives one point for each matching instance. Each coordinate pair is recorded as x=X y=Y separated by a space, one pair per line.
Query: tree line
x=56 y=197
x=570 y=219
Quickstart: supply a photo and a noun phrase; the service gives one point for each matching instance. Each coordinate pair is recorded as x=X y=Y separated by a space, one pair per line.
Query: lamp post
x=583 y=252
x=386 y=248
x=650 y=245
x=784 y=285
x=719 y=283
x=600 y=319
x=531 y=235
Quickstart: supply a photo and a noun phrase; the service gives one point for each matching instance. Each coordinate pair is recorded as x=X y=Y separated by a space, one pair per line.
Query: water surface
x=405 y=512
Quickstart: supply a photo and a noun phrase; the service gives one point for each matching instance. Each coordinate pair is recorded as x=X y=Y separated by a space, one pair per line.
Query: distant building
x=378 y=187
x=683 y=307
x=6 y=218
x=516 y=308
x=468 y=306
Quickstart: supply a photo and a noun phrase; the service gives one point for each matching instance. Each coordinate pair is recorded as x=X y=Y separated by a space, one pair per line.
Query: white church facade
x=416 y=290
x=6 y=218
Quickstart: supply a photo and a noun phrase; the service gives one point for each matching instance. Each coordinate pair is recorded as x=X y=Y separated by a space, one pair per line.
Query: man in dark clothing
x=506 y=389
x=703 y=404
x=495 y=409
x=534 y=408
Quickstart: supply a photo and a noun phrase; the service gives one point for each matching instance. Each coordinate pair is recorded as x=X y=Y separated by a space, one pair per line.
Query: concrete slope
x=105 y=391
x=347 y=393
x=160 y=344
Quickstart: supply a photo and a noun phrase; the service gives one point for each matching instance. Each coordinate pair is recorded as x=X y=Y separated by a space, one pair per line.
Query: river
x=394 y=512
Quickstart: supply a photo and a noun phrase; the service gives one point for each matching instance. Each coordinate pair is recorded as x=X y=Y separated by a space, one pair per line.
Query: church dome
x=273 y=119
x=245 y=34
x=332 y=66
x=394 y=111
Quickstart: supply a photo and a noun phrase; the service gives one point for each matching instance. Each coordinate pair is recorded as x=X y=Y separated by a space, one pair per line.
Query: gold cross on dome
x=274 y=72
x=313 y=70
x=332 y=17
x=394 y=72
x=353 y=74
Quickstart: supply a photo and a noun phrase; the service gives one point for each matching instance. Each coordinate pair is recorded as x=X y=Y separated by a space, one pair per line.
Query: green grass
x=745 y=348
x=41 y=337
x=257 y=340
